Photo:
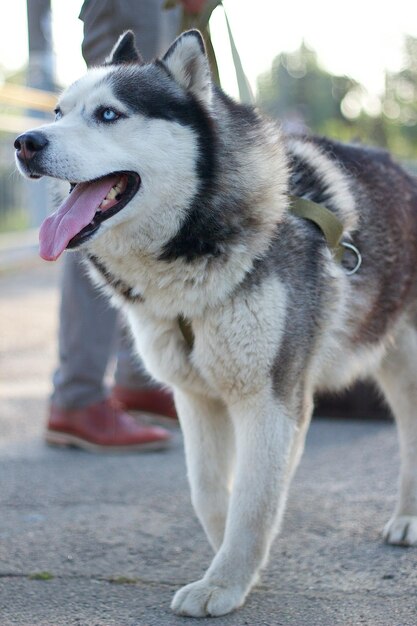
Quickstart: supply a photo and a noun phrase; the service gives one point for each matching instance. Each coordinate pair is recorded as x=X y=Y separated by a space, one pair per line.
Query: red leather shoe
x=102 y=427
x=156 y=401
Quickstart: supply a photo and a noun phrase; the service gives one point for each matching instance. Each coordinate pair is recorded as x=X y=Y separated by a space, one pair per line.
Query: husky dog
x=182 y=203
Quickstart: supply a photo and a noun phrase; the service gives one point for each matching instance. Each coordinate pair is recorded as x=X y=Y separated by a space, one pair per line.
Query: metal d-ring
x=350 y=246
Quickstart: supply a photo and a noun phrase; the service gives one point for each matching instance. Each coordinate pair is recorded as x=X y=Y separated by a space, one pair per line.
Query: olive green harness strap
x=332 y=229
x=329 y=224
x=186 y=331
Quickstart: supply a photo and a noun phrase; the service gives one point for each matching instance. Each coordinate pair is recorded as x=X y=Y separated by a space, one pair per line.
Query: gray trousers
x=90 y=331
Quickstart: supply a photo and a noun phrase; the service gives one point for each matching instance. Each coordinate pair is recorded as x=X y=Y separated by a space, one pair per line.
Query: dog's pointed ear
x=187 y=61
x=124 y=51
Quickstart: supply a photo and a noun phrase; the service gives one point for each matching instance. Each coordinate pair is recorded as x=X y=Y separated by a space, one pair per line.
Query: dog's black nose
x=28 y=144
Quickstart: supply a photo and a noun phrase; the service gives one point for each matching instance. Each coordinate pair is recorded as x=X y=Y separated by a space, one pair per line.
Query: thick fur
x=210 y=236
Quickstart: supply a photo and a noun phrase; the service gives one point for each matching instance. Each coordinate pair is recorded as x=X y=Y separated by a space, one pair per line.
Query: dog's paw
x=204 y=598
x=401 y=531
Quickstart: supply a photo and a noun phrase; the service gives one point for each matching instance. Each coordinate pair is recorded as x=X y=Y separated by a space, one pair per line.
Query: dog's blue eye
x=58 y=114
x=108 y=115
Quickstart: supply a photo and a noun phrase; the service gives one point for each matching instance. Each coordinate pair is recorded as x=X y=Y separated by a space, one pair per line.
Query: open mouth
x=124 y=186
x=86 y=208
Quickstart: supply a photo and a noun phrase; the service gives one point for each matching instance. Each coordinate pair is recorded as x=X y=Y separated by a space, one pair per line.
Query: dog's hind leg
x=209 y=449
x=397 y=378
x=265 y=436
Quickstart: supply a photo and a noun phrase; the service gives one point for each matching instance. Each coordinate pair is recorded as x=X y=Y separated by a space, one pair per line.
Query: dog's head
x=129 y=138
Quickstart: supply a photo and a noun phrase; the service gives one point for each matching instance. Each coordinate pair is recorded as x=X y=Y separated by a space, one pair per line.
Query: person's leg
x=105 y=20
x=80 y=413
x=86 y=336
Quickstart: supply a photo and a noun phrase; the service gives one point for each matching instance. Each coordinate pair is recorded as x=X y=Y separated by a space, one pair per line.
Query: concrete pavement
x=94 y=540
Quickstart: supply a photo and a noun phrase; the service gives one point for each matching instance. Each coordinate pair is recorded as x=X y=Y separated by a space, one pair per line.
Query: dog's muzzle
x=28 y=146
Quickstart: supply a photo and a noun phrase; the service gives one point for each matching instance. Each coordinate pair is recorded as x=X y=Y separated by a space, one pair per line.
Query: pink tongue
x=72 y=216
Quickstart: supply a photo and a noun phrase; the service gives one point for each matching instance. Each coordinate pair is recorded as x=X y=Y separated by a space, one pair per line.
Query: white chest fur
x=235 y=343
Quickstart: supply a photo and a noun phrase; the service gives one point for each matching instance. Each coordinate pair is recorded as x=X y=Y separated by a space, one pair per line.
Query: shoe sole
x=154 y=419
x=63 y=440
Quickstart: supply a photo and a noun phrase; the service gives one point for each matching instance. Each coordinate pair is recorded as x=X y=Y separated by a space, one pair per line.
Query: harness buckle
x=352 y=248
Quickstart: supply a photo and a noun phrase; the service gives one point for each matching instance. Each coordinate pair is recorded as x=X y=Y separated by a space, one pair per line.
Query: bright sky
x=359 y=37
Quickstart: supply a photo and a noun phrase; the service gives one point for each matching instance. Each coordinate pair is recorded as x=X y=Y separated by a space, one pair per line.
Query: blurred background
x=347 y=70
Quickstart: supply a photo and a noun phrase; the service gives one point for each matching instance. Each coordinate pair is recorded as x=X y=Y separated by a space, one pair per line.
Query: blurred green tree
x=305 y=96
x=298 y=91
x=399 y=103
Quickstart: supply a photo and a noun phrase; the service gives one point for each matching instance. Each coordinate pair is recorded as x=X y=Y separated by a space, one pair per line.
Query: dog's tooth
x=107 y=202
x=112 y=194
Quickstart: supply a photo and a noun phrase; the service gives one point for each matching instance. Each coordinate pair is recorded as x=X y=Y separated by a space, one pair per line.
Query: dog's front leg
x=265 y=434
x=209 y=448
